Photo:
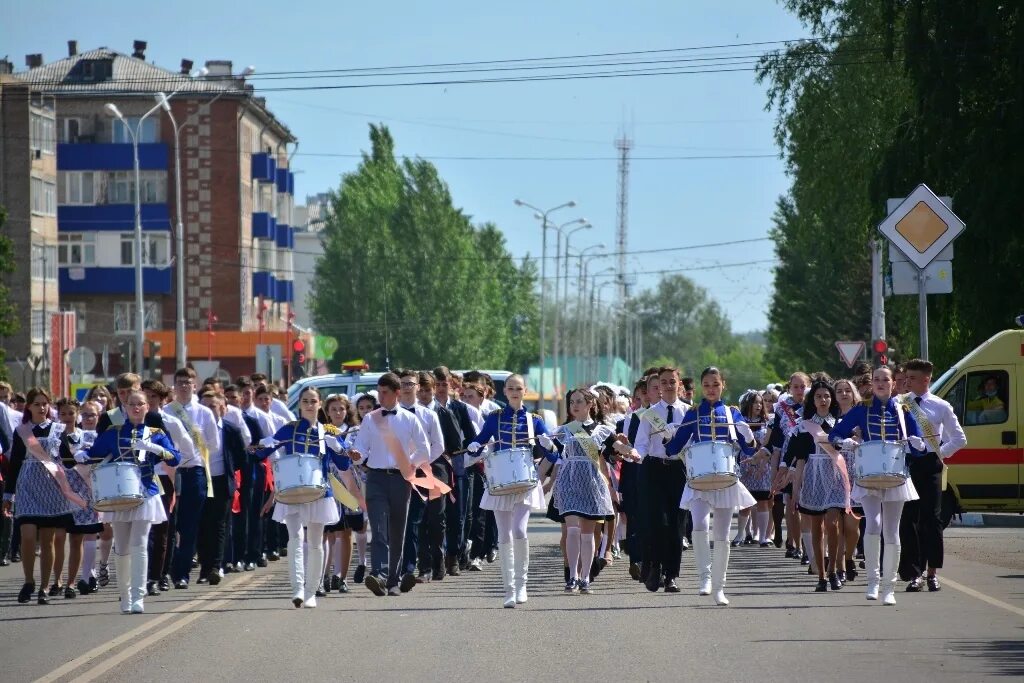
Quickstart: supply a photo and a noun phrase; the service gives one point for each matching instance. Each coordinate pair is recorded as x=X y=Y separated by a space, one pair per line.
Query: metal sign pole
x=922 y=304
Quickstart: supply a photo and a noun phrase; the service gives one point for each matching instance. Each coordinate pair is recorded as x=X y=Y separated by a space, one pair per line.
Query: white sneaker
x=310 y=601
x=872 y=591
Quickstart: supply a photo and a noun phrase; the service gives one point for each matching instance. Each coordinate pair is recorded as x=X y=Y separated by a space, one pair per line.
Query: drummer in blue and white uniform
x=712 y=420
x=307 y=437
x=582 y=489
x=513 y=427
x=147 y=447
x=884 y=419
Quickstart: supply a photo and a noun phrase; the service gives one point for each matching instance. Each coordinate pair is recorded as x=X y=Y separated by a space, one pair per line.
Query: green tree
x=8 y=315
x=407 y=279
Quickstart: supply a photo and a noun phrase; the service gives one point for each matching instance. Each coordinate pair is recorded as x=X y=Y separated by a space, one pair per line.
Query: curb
x=978 y=519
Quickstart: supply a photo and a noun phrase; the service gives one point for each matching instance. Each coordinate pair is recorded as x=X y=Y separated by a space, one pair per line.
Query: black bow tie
x=389 y=412
x=411 y=409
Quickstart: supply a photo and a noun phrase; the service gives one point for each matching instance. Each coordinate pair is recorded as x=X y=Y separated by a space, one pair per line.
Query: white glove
x=848 y=444
x=333 y=443
x=744 y=429
x=268 y=442
x=546 y=442
x=670 y=432
x=474 y=447
x=149 y=447
x=82 y=457
x=916 y=442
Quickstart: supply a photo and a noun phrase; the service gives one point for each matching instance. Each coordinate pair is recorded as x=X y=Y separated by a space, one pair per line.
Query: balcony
x=111 y=217
x=283 y=176
x=285 y=236
x=264 y=226
x=153 y=156
x=285 y=291
x=263 y=285
x=264 y=168
x=114 y=280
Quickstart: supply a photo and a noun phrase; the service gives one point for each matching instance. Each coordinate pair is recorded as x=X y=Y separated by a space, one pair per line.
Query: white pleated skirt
x=152 y=510
x=735 y=496
x=534 y=498
x=906 y=493
x=320 y=511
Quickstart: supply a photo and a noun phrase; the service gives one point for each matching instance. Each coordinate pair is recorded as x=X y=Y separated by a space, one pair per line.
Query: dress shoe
x=822 y=586
x=70 y=593
x=670 y=586
x=476 y=565
x=239 y=567
x=360 y=574
x=343 y=588
x=916 y=585
x=202 y=581
x=273 y=556
x=4 y=562
x=634 y=571
x=41 y=598
x=214 y=577
x=320 y=593
x=83 y=587
x=933 y=584
x=163 y=584
x=686 y=543
x=438 y=573
x=335 y=583
x=492 y=556
x=181 y=584
x=26 y=592
x=93 y=586
x=55 y=590
x=250 y=567
x=151 y=588
x=262 y=562
x=653 y=582
x=407 y=583
x=15 y=556
x=834 y=583
x=195 y=563
x=375 y=585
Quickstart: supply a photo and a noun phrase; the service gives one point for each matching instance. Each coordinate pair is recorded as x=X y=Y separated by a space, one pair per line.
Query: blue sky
x=673 y=203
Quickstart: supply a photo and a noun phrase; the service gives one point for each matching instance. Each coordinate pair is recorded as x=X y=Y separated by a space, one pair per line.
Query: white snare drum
x=117 y=486
x=510 y=471
x=880 y=465
x=710 y=465
x=299 y=479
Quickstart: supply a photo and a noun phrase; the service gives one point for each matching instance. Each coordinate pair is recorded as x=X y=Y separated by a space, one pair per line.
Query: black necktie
x=917 y=399
x=671 y=414
x=389 y=412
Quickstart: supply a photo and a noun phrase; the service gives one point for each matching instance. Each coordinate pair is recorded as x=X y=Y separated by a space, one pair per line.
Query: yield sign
x=850 y=351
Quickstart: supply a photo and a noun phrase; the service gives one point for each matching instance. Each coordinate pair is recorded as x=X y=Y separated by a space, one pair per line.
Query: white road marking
x=966 y=590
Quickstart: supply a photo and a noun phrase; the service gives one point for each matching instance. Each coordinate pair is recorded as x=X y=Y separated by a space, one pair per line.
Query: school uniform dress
x=823 y=484
x=580 y=487
x=509 y=428
x=37 y=498
x=757 y=477
x=87 y=519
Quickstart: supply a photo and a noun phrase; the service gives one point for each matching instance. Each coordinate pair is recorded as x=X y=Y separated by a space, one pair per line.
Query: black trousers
x=477 y=518
x=630 y=488
x=212 y=526
x=160 y=535
x=663 y=482
x=255 y=522
x=434 y=525
x=921 y=525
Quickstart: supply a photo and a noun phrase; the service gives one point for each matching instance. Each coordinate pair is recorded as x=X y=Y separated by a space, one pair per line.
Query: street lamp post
x=543 y=216
x=581 y=294
x=590 y=332
x=140 y=313
x=561 y=354
x=180 y=347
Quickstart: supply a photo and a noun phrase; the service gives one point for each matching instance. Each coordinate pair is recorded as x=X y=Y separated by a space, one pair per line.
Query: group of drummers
x=438 y=478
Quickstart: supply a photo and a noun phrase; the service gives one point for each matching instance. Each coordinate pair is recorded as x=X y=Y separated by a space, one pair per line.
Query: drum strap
x=36 y=450
x=902 y=420
x=179 y=412
x=728 y=422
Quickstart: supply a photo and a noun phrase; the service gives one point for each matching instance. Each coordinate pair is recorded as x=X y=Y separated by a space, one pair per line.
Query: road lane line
x=86 y=657
x=139 y=647
x=981 y=596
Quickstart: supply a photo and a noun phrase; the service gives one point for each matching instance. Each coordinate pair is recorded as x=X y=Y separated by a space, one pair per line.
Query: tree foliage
x=889 y=95
x=407 y=278
x=8 y=314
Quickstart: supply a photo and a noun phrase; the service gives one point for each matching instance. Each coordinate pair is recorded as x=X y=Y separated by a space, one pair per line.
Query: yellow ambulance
x=986 y=390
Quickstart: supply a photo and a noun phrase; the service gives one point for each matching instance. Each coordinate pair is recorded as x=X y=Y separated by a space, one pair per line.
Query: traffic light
x=298 y=359
x=125 y=349
x=153 y=358
x=881 y=350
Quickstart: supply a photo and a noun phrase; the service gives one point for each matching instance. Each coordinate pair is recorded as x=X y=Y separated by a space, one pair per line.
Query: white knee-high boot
x=140 y=566
x=123 y=564
x=719 y=567
x=702 y=555
x=314 y=570
x=296 y=571
x=890 y=564
x=872 y=553
x=521 y=560
x=508 y=581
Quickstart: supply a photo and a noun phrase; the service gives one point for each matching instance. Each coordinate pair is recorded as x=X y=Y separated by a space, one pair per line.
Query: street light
x=559 y=355
x=140 y=313
x=590 y=331
x=543 y=216
x=581 y=283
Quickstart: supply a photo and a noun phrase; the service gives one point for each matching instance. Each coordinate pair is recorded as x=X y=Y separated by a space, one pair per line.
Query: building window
x=76 y=249
x=42 y=133
x=70 y=130
x=44 y=262
x=121 y=187
x=265 y=259
x=120 y=134
x=78 y=187
x=155 y=249
x=38 y=326
x=124 y=317
x=44 y=197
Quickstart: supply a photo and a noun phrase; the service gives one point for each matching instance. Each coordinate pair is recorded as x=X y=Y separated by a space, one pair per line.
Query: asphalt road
x=776 y=628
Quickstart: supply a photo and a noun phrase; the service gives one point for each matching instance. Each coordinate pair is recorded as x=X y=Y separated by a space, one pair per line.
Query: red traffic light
x=879 y=346
x=883 y=360
x=298 y=346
